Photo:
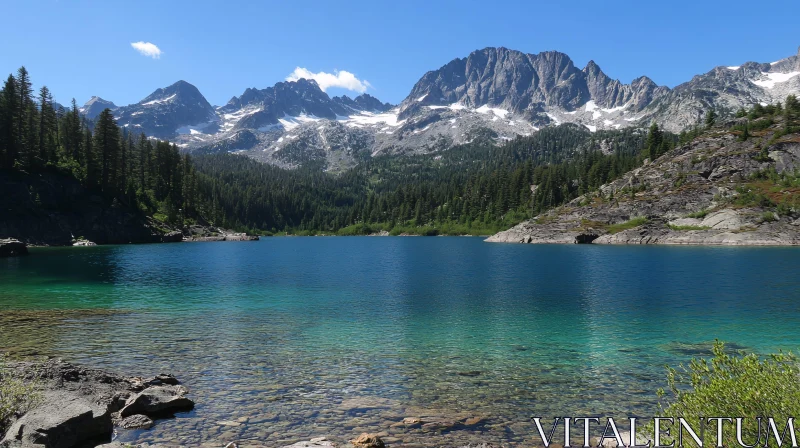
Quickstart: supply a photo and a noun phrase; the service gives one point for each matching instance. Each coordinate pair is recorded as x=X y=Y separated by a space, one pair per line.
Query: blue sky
x=80 y=49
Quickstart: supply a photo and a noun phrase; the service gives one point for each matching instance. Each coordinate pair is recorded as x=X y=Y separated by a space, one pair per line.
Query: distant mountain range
x=497 y=92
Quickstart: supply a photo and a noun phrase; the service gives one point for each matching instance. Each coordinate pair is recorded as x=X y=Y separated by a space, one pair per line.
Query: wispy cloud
x=339 y=78
x=147 y=49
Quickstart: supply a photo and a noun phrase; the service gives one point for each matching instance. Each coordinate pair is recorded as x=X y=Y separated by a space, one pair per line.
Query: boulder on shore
x=12 y=248
x=80 y=407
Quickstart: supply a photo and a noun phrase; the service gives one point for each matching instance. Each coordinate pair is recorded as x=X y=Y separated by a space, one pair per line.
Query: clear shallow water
x=302 y=337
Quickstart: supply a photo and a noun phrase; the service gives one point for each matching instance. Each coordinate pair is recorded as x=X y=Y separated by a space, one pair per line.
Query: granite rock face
x=694 y=195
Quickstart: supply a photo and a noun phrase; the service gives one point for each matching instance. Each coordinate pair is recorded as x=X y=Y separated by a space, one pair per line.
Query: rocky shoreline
x=11 y=247
x=77 y=407
x=717 y=190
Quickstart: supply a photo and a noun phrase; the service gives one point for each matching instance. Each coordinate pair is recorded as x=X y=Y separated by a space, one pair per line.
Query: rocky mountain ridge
x=494 y=91
x=92 y=108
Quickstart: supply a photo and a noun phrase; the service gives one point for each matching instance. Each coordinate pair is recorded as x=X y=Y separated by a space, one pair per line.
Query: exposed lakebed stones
x=80 y=406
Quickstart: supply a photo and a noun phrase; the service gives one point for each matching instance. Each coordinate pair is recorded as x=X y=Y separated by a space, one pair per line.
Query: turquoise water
x=302 y=337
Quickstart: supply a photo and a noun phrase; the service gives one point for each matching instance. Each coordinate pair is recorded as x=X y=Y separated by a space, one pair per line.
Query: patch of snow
x=591 y=128
x=777 y=62
x=232 y=119
x=163 y=100
x=137 y=113
x=774 y=78
x=369 y=119
x=280 y=140
x=501 y=113
x=608 y=122
x=457 y=106
x=270 y=127
x=194 y=129
x=553 y=117
x=453 y=120
x=419 y=100
x=571 y=113
x=733 y=68
x=437 y=107
x=418 y=131
x=289 y=122
x=615 y=109
x=591 y=106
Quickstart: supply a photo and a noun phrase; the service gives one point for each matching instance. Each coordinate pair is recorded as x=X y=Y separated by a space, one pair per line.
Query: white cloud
x=343 y=79
x=147 y=49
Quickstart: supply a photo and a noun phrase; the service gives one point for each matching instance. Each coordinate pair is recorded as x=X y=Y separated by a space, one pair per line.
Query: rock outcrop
x=10 y=247
x=80 y=407
x=716 y=190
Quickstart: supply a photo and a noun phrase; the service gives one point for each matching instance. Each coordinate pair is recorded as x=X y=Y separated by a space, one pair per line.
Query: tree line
x=474 y=188
x=37 y=134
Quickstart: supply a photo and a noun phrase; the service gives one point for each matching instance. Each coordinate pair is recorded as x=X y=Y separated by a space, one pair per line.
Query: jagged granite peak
x=362 y=103
x=180 y=90
x=263 y=108
x=168 y=111
x=367 y=102
x=521 y=83
x=95 y=105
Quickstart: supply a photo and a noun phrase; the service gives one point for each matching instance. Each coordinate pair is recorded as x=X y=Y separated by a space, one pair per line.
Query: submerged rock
x=137 y=421
x=315 y=442
x=367 y=441
x=157 y=400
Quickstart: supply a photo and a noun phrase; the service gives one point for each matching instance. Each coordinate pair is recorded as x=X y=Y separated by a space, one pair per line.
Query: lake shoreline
x=74 y=406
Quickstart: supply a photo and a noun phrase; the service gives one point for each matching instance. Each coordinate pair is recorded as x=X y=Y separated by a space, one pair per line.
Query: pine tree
x=106 y=150
x=72 y=134
x=26 y=120
x=711 y=118
x=8 y=127
x=48 y=127
x=654 y=140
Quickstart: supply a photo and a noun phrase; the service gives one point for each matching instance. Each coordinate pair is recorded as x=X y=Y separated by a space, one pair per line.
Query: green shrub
x=699 y=215
x=635 y=222
x=688 y=227
x=749 y=197
x=742 y=385
x=16 y=396
x=768 y=217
